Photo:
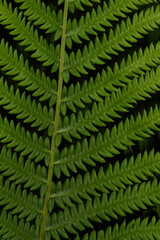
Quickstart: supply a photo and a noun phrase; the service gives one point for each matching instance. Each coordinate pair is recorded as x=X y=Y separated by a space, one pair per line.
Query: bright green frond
x=96 y=88
x=73 y=4
x=135 y=229
x=79 y=119
x=41 y=15
x=106 y=111
x=24 y=108
x=20 y=171
x=15 y=66
x=126 y=33
x=128 y=172
x=17 y=200
x=118 y=204
x=108 y=145
x=17 y=138
x=27 y=36
x=102 y=17
x=13 y=229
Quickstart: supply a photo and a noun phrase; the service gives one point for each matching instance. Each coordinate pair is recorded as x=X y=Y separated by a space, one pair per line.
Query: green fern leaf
x=79 y=119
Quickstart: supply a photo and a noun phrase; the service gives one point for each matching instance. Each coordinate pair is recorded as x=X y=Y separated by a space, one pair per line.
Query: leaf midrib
x=57 y=114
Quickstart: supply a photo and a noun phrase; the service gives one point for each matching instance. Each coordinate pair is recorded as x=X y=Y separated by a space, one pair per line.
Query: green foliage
x=79 y=119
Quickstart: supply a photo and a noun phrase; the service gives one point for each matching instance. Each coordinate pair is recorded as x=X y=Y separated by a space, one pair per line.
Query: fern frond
x=93 y=22
x=107 y=110
x=17 y=201
x=13 y=229
x=75 y=78
x=15 y=66
x=96 y=149
x=125 y=34
x=41 y=15
x=135 y=229
x=24 y=108
x=94 y=89
x=73 y=4
x=71 y=220
x=27 y=36
x=23 y=141
x=20 y=171
x=116 y=177
x=142 y=229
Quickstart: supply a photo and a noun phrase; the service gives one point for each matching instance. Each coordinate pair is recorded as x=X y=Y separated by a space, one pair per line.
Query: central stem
x=57 y=113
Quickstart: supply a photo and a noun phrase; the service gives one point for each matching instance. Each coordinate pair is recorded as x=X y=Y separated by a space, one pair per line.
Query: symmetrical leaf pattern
x=79 y=119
